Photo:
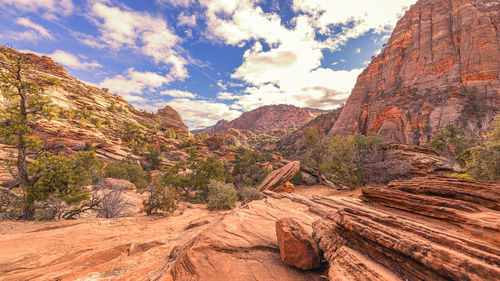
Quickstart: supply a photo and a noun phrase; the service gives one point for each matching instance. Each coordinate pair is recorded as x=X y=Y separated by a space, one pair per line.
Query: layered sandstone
x=430 y=228
x=441 y=65
x=88 y=115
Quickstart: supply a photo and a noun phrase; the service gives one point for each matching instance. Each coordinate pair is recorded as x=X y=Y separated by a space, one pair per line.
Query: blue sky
x=208 y=59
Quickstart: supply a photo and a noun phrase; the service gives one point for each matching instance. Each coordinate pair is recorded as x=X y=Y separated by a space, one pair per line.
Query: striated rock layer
x=428 y=228
x=422 y=229
x=441 y=65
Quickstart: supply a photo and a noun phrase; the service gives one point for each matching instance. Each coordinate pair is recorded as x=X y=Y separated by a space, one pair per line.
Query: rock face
x=297 y=248
x=434 y=228
x=293 y=144
x=171 y=119
x=266 y=119
x=278 y=178
x=90 y=115
x=441 y=65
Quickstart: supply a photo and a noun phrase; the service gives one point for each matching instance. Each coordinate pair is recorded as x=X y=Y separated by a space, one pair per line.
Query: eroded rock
x=297 y=247
x=277 y=178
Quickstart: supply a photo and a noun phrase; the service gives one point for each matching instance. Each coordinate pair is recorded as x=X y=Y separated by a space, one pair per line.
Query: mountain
x=86 y=114
x=266 y=119
x=293 y=143
x=441 y=65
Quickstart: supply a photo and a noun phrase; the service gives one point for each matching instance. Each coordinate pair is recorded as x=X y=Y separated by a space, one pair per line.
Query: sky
x=208 y=59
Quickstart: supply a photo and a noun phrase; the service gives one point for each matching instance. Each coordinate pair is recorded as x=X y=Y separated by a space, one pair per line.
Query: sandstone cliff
x=441 y=65
x=86 y=114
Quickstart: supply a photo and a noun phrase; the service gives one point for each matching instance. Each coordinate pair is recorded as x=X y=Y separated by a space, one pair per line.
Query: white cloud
x=72 y=61
x=50 y=9
x=176 y=3
x=198 y=114
x=134 y=82
x=184 y=19
x=40 y=30
x=68 y=60
x=226 y=96
x=365 y=15
x=357 y=51
x=178 y=94
x=123 y=28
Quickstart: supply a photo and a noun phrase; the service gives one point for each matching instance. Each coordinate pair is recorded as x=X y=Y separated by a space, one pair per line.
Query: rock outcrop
x=297 y=247
x=278 y=178
x=441 y=65
x=90 y=116
x=433 y=228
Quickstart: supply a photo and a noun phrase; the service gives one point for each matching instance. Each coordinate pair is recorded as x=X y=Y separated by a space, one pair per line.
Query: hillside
x=88 y=115
x=441 y=65
x=266 y=119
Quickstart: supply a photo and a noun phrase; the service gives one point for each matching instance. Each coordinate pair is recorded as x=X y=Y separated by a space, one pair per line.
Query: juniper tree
x=23 y=104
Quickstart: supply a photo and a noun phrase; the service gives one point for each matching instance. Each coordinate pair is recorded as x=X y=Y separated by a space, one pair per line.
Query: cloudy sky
x=208 y=59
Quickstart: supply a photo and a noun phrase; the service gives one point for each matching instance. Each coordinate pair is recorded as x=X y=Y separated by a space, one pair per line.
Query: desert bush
x=246 y=168
x=153 y=156
x=96 y=121
x=249 y=193
x=297 y=179
x=112 y=203
x=161 y=198
x=221 y=196
x=53 y=80
x=451 y=143
x=129 y=170
x=208 y=170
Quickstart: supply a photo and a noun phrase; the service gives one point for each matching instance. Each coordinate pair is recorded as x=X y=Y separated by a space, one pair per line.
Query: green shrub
x=63 y=177
x=129 y=170
x=53 y=80
x=96 y=121
x=249 y=193
x=207 y=170
x=221 y=196
x=297 y=179
x=199 y=198
x=153 y=156
x=161 y=198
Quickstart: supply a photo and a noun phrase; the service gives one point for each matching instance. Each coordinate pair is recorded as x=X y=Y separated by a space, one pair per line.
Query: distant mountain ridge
x=266 y=119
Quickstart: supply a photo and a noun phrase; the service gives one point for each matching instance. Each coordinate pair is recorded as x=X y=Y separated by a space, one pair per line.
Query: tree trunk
x=318 y=169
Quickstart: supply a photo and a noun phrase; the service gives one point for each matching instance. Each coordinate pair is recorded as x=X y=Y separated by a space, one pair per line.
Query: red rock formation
x=278 y=178
x=297 y=248
x=433 y=228
x=441 y=65
x=294 y=142
x=266 y=119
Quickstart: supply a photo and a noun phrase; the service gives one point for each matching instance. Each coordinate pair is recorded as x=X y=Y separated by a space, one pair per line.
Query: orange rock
x=297 y=248
x=277 y=178
x=287 y=187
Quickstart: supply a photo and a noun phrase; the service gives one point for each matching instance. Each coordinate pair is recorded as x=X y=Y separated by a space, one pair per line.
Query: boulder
x=287 y=187
x=297 y=248
x=278 y=178
x=119 y=184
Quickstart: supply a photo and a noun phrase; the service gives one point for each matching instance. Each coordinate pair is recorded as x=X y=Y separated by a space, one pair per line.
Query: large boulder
x=277 y=178
x=297 y=248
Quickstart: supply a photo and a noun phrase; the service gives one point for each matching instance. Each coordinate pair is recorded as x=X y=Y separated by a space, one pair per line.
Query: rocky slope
x=294 y=143
x=86 y=114
x=431 y=228
x=266 y=119
x=441 y=65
